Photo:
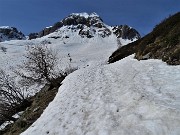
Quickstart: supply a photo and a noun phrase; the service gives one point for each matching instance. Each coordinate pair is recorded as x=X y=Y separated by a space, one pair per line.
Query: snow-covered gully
x=128 y=97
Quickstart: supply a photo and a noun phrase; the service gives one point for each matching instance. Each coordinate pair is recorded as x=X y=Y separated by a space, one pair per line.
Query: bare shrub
x=12 y=98
x=40 y=66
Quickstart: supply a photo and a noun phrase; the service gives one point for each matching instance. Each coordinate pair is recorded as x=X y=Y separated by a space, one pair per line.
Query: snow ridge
x=86 y=15
x=105 y=100
x=5 y=27
x=91 y=25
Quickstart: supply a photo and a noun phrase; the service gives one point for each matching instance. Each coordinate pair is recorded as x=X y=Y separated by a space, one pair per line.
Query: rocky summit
x=89 y=25
x=10 y=33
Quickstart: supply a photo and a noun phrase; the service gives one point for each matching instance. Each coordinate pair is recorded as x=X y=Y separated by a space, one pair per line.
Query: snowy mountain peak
x=86 y=15
x=82 y=18
x=90 y=25
x=10 y=33
x=5 y=27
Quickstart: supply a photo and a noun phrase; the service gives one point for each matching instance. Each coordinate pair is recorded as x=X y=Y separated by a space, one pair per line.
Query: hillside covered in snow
x=83 y=42
x=125 y=98
x=128 y=97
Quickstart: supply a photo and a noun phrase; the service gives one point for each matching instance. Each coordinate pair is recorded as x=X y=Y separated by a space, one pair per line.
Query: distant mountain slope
x=10 y=33
x=162 y=43
x=84 y=36
x=89 y=25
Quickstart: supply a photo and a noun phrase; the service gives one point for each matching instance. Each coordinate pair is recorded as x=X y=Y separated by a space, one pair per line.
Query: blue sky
x=33 y=15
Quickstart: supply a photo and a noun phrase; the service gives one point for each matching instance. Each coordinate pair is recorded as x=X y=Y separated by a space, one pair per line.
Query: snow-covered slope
x=79 y=34
x=84 y=52
x=85 y=37
x=125 y=98
x=81 y=50
x=10 y=33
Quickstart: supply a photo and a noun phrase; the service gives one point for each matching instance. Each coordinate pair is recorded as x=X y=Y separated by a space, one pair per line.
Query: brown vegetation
x=162 y=43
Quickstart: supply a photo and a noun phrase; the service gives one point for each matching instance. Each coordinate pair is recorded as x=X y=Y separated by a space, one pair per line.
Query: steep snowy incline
x=84 y=37
x=83 y=52
x=128 y=97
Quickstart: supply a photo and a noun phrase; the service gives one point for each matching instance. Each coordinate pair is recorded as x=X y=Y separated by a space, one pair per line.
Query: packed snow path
x=125 y=98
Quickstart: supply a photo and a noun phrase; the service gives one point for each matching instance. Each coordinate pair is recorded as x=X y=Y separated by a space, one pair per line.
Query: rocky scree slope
x=162 y=43
x=10 y=33
x=88 y=25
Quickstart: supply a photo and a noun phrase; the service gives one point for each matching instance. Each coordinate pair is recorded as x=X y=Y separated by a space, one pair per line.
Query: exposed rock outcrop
x=89 y=25
x=10 y=33
x=126 y=32
x=33 y=36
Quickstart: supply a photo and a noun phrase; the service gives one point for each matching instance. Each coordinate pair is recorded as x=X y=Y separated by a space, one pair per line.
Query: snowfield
x=128 y=97
x=84 y=52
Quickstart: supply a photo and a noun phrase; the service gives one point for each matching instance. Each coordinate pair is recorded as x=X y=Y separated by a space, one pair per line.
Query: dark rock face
x=80 y=23
x=126 y=32
x=10 y=33
x=124 y=51
x=85 y=33
x=33 y=36
x=74 y=20
x=88 y=25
